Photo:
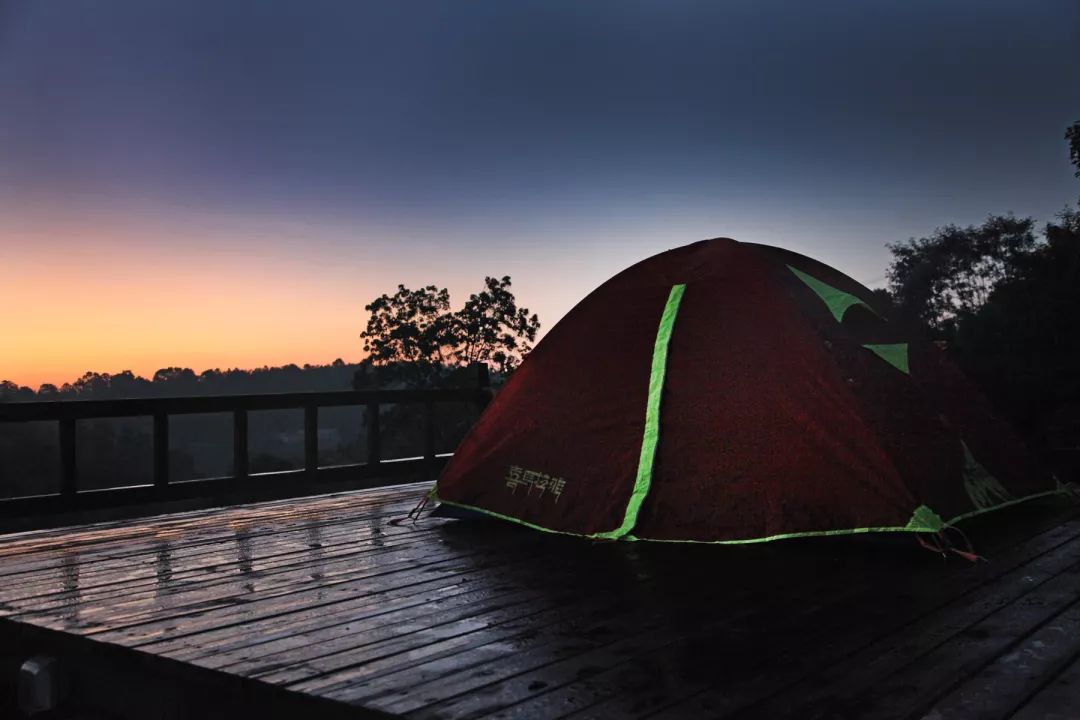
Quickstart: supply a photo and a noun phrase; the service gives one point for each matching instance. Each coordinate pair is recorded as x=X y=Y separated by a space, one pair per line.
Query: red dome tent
x=732 y=392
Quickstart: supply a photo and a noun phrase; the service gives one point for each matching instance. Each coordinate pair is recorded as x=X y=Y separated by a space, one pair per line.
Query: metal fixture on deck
x=43 y=684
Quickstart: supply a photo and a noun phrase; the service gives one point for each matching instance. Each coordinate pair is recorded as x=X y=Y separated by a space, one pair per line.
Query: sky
x=226 y=183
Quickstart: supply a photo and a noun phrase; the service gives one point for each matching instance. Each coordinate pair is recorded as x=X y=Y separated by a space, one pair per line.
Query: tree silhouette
x=492 y=329
x=1072 y=135
x=410 y=326
x=415 y=329
x=1008 y=299
x=12 y=392
x=950 y=274
x=1023 y=345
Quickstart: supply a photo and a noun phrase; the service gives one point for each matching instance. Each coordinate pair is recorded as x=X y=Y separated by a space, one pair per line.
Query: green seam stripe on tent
x=837 y=300
x=652 y=415
x=896 y=354
x=923 y=520
x=783 y=536
x=1008 y=503
x=919 y=523
x=649 y=440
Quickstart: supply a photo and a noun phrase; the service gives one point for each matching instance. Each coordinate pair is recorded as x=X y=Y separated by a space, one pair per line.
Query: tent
x=732 y=392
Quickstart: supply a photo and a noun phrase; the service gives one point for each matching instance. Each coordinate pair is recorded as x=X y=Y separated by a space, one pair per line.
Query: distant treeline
x=182 y=382
x=1004 y=296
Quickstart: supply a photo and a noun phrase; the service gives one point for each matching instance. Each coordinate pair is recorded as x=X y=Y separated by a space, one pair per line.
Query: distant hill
x=182 y=382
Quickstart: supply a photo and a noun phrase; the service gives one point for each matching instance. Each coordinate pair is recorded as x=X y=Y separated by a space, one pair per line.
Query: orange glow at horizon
x=210 y=293
x=78 y=301
x=146 y=319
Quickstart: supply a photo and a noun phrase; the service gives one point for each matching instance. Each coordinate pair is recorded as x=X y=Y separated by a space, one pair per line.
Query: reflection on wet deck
x=329 y=599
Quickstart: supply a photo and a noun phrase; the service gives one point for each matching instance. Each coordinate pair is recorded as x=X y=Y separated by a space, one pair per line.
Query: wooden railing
x=241 y=486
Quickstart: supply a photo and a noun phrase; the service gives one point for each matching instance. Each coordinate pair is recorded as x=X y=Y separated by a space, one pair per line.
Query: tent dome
x=734 y=392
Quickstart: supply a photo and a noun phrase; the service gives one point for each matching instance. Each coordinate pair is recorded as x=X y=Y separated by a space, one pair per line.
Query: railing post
x=161 y=449
x=429 y=432
x=311 y=440
x=483 y=386
x=374 y=452
x=240 y=444
x=69 y=483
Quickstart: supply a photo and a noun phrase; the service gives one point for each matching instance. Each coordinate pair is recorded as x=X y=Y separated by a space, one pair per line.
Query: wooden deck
x=322 y=608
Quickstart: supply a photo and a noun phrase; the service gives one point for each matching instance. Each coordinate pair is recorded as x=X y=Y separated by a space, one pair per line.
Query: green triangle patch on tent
x=925 y=520
x=837 y=300
x=896 y=354
x=983 y=488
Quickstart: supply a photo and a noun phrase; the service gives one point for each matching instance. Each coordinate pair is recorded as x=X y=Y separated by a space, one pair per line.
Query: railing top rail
x=135 y=407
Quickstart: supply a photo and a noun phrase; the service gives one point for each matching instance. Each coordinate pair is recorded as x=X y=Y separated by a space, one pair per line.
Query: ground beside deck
x=322 y=607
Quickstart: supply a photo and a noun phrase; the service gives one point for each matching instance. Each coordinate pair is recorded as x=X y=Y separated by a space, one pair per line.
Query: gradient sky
x=215 y=183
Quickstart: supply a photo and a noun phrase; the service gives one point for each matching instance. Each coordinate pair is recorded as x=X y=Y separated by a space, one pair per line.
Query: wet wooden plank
x=242 y=545
x=1005 y=684
x=1059 y=699
x=162 y=600
x=662 y=675
x=680 y=609
x=431 y=562
x=347 y=680
x=918 y=685
x=813 y=681
x=292 y=648
x=494 y=581
x=256 y=552
x=329 y=598
x=24 y=554
x=192 y=642
x=543 y=591
x=27 y=555
x=706 y=602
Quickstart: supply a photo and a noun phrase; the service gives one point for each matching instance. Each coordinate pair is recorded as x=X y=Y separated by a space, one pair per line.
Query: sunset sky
x=219 y=183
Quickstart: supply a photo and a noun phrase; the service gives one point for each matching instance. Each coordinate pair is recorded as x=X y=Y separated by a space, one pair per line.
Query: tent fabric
x=733 y=392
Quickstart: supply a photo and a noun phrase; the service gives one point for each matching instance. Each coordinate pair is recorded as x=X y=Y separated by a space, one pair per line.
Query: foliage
x=949 y=275
x=1072 y=135
x=1008 y=300
x=1023 y=345
x=492 y=329
x=410 y=326
x=414 y=330
x=176 y=381
x=10 y=392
